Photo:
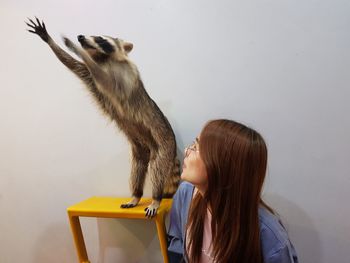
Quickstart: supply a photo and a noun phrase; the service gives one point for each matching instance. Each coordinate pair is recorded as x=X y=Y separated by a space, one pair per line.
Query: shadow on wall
x=56 y=238
x=128 y=241
x=300 y=227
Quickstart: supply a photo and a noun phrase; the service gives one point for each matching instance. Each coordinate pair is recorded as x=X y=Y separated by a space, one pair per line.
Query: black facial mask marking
x=104 y=45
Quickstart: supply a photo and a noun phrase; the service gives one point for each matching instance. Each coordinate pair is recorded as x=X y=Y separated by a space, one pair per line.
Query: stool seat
x=109 y=207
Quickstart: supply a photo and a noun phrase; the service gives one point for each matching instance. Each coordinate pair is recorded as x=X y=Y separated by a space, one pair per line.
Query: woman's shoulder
x=185 y=188
x=271 y=226
x=183 y=193
x=274 y=238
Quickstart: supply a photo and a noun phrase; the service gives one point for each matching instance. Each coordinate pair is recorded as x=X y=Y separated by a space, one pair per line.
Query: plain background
x=281 y=67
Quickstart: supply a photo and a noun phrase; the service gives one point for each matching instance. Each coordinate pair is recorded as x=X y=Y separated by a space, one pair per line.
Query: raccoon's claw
x=134 y=201
x=150 y=212
x=128 y=205
x=73 y=47
x=152 y=209
x=69 y=44
x=38 y=28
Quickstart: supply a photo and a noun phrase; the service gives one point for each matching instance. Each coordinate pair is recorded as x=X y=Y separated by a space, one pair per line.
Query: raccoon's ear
x=127 y=46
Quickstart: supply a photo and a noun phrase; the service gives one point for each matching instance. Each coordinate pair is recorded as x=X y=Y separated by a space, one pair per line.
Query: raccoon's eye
x=98 y=39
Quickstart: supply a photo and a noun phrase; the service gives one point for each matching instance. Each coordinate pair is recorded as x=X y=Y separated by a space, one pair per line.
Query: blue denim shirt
x=275 y=243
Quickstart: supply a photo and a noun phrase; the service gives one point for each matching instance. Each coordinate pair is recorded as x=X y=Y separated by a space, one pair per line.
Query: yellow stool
x=109 y=207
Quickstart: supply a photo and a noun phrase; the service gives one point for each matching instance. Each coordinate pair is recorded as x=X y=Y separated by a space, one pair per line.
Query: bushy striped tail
x=173 y=181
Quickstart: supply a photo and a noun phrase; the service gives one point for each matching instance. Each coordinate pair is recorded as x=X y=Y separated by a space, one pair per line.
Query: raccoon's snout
x=85 y=43
x=81 y=38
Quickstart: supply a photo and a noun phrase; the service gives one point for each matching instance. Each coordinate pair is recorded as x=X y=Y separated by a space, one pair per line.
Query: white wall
x=280 y=66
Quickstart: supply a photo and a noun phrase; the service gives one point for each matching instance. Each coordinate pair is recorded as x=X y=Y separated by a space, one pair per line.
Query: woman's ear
x=127 y=46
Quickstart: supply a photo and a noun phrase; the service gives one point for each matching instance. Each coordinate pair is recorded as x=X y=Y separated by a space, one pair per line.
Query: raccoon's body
x=117 y=87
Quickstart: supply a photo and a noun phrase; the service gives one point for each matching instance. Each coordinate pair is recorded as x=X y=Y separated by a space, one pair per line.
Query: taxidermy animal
x=115 y=83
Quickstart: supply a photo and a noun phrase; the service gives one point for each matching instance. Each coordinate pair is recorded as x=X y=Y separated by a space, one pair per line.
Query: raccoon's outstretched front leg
x=77 y=67
x=100 y=76
x=39 y=29
x=74 y=65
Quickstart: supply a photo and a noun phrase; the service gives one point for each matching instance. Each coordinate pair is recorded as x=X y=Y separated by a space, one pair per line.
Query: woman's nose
x=186 y=152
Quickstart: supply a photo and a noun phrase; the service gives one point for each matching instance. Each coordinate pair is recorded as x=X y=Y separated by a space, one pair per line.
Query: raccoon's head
x=103 y=48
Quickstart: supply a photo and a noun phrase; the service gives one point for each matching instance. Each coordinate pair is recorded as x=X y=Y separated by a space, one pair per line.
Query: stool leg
x=78 y=239
x=162 y=236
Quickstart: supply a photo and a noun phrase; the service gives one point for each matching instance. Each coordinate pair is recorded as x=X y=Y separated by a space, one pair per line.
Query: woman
x=217 y=213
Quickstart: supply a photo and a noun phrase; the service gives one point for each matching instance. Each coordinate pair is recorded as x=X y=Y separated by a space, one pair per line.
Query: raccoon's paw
x=134 y=201
x=69 y=44
x=152 y=209
x=38 y=28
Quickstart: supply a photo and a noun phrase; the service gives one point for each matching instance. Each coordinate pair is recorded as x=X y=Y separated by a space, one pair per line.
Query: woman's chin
x=183 y=176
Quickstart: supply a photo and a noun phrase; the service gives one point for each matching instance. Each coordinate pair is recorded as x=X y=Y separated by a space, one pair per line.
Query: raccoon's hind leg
x=173 y=180
x=140 y=160
x=160 y=167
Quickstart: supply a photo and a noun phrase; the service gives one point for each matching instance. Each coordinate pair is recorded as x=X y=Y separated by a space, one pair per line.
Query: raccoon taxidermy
x=115 y=83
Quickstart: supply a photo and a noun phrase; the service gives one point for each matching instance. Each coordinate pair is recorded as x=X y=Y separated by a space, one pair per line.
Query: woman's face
x=194 y=170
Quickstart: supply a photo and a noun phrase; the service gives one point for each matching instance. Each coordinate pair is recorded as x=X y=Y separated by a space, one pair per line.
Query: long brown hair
x=235 y=158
